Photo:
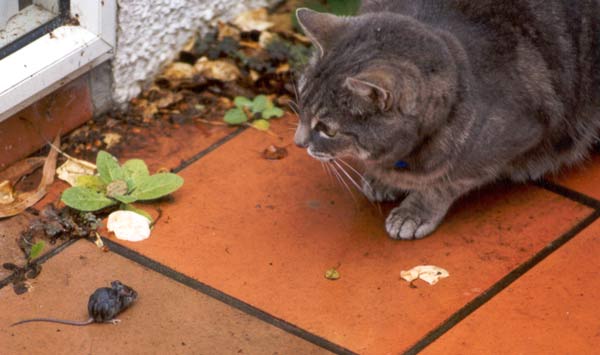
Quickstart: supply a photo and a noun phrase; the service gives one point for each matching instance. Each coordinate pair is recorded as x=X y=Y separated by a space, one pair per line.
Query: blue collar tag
x=401 y=164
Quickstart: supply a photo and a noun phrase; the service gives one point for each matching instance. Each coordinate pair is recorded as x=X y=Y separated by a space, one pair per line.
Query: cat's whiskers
x=352 y=180
x=343 y=182
x=294 y=107
x=361 y=176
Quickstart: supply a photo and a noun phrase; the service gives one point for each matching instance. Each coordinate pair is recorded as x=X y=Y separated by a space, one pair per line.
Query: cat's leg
x=377 y=191
x=421 y=212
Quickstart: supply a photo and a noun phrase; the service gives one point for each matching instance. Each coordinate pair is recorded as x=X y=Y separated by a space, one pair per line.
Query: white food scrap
x=128 y=225
x=428 y=273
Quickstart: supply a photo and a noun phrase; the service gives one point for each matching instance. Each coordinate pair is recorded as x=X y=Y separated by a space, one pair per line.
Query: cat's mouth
x=324 y=157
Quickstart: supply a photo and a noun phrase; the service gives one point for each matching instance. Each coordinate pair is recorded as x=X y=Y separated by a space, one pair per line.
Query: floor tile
x=169 y=146
x=552 y=309
x=266 y=231
x=168 y=318
x=584 y=178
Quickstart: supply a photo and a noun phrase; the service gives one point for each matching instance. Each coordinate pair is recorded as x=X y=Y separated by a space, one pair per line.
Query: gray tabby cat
x=438 y=97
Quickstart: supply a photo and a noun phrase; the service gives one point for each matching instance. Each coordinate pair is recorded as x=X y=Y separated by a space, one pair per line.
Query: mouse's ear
x=116 y=284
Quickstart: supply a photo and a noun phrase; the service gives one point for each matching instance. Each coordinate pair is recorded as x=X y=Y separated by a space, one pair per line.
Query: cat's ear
x=321 y=28
x=371 y=88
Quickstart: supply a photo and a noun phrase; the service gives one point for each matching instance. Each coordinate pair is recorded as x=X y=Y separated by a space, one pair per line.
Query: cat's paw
x=411 y=223
x=375 y=191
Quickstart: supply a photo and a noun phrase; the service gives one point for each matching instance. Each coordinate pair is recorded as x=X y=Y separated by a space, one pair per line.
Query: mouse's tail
x=52 y=320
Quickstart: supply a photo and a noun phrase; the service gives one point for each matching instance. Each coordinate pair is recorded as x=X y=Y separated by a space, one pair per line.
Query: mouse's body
x=103 y=306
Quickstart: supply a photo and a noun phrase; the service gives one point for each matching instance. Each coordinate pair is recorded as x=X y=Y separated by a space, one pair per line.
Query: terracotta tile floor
x=258 y=235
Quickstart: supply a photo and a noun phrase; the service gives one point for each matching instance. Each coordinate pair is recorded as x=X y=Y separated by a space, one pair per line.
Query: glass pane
x=23 y=21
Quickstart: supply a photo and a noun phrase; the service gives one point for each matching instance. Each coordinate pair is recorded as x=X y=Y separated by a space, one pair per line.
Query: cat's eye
x=325 y=130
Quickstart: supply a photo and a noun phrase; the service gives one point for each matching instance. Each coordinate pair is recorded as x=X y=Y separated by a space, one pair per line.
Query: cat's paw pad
x=377 y=192
x=407 y=224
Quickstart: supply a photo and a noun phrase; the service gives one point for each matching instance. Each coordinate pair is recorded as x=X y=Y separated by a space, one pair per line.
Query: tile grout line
x=568 y=193
x=187 y=162
x=221 y=296
x=42 y=259
x=184 y=164
x=502 y=284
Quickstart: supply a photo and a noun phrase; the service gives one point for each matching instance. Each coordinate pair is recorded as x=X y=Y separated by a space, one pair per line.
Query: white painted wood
x=8 y=8
x=52 y=61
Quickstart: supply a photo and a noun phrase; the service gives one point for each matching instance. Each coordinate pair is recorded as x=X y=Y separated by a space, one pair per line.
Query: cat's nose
x=302 y=136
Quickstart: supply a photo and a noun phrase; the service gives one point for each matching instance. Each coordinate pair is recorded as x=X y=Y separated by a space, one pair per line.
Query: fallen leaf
x=178 y=71
x=261 y=125
x=169 y=99
x=428 y=273
x=226 y=30
x=189 y=45
x=112 y=139
x=250 y=44
x=7 y=194
x=128 y=225
x=332 y=274
x=283 y=68
x=27 y=199
x=21 y=168
x=254 y=20
x=274 y=152
x=265 y=38
x=254 y=76
x=73 y=168
x=221 y=70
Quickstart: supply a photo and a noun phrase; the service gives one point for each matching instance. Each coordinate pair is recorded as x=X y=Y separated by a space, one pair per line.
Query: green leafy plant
x=256 y=113
x=116 y=184
x=36 y=250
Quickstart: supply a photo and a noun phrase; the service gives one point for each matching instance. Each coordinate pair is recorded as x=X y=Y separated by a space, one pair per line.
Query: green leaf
x=136 y=167
x=272 y=112
x=261 y=125
x=242 y=102
x=85 y=199
x=36 y=250
x=92 y=182
x=235 y=116
x=260 y=103
x=108 y=167
x=132 y=208
x=125 y=198
x=155 y=186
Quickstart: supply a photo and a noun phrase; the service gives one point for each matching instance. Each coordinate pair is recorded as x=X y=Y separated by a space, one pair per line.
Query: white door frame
x=58 y=57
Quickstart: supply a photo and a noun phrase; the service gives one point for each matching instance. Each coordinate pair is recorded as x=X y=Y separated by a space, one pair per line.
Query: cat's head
x=378 y=85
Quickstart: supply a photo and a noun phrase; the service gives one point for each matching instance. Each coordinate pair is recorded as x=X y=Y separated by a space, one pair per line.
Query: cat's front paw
x=375 y=191
x=411 y=223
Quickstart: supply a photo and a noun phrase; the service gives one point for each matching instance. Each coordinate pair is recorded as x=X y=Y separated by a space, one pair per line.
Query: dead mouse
x=103 y=306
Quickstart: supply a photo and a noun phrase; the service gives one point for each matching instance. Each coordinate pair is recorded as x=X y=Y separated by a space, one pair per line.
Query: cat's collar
x=401 y=164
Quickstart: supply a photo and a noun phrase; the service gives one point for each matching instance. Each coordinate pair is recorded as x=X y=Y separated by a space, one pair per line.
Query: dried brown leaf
x=226 y=30
x=27 y=199
x=254 y=20
x=178 y=71
x=7 y=194
x=221 y=70
x=21 y=168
